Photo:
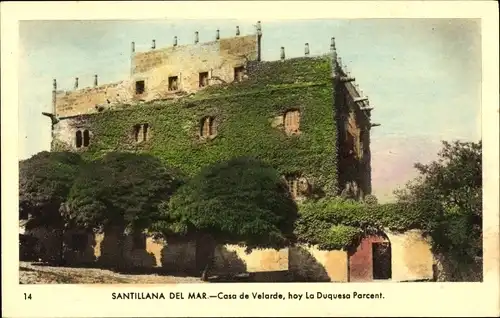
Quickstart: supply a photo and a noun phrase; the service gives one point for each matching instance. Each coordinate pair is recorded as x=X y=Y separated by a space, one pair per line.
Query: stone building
x=198 y=103
x=189 y=74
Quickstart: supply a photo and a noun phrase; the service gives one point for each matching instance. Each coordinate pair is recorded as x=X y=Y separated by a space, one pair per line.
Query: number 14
x=27 y=296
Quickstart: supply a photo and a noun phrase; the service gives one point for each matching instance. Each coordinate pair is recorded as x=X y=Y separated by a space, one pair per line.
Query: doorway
x=382 y=260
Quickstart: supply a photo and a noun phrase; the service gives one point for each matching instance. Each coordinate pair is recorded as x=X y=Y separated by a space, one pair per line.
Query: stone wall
x=49 y=245
x=79 y=247
x=155 y=67
x=218 y=59
x=308 y=263
x=411 y=257
x=64 y=133
x=234 y=259
x=411 y=260
x=354 y=140
x=93 y=99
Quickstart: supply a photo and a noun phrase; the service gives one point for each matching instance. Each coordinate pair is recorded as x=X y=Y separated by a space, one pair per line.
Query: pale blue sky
x=423 y=76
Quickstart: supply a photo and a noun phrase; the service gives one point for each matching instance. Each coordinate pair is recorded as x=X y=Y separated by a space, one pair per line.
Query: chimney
x=335 y=64
x=196 y=38
x=95 y=80
x=306 y=49
x=132 y=49
x=76 y=82
x=237 y=30
x=282 y=53
x=54 y=98
x=153 y=45
x=217 y=35
x=259 y=37
x=175 y=40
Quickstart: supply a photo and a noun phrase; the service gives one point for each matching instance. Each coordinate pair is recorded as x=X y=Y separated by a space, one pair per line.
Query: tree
x=45 y=180
x=240 y=201
x=121 y=190
x=448 y=195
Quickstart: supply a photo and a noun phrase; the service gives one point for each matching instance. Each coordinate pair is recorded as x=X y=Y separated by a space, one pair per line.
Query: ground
x=30 y=273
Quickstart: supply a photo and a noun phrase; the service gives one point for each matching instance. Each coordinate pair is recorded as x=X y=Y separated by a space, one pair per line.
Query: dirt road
x=36 y=274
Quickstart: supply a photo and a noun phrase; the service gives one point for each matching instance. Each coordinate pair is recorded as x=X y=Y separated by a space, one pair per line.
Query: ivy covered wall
x=243 y=114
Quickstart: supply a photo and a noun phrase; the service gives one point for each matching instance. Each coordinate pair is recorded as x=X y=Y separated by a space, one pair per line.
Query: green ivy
x=339 y=224
x=243 y=114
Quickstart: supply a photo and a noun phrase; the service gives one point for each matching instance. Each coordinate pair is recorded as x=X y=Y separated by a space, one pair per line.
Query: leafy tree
x=121 y=190
x=448 y=194
x=45 y=180
x=240 y=201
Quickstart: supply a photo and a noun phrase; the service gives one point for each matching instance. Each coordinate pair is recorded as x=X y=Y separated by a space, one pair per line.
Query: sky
x=422 y=76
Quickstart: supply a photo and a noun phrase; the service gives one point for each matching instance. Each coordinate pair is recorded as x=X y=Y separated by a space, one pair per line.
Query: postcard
x=250 y=159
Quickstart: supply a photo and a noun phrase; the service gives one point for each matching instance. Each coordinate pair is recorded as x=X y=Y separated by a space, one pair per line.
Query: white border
x=402 y=299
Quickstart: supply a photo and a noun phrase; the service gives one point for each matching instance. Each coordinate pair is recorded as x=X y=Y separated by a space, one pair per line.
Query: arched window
x=207 y=127
x=78 y=138
x=298 y=186
x=86 y=138
x=137 y=133
x=145 y=128
x=292 y=121
x=141 y=132
x=293 y=185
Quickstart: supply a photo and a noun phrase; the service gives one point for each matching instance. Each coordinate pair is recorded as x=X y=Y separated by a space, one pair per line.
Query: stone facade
x=178 y=72
x=175 y=73
x=167 y=73
x=411 y=260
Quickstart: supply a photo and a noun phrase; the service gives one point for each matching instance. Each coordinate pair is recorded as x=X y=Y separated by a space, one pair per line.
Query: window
x=173 y=83
x=86 y=138
x=141 y=132
x=381 y=253
x=207 y=127
x=82 y=138
x=139 y=87
x=293 y=186
x=137 y=132
x=145 y=128
x=78 y=139
x=78 y=242
x=139 y=241
x=203 y=79
x=238 y=73
x=292 y=121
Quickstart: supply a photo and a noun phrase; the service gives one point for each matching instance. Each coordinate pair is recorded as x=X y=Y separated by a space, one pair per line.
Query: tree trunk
x=61 y=256
x=208 y=265
x=120 y=263
x=207 y=244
